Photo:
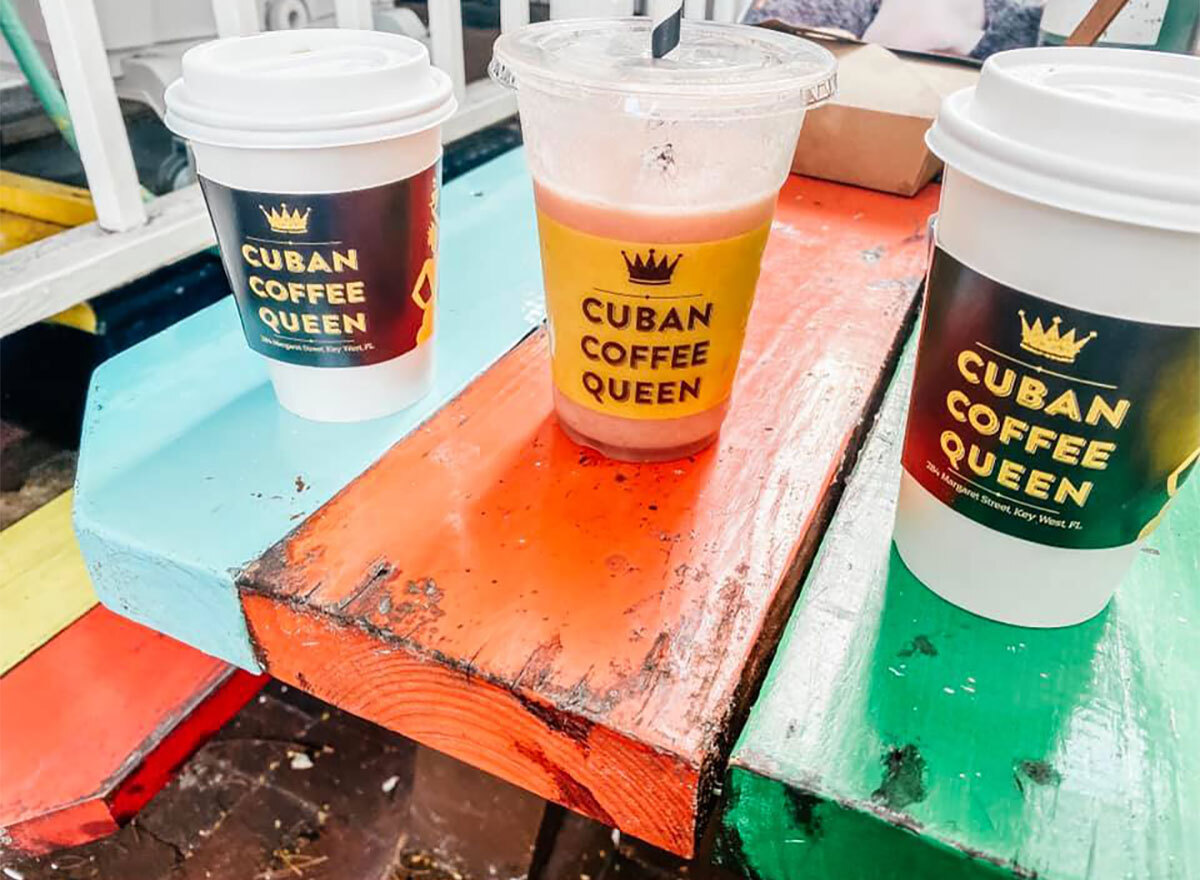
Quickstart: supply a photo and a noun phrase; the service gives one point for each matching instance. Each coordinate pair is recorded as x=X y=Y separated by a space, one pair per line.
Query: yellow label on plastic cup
x=647 y=331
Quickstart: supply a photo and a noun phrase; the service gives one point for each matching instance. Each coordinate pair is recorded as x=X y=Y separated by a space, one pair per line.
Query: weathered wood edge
x=906 y=839
x=140 y=777
x=716 y=764
x=867 y=815
x=574 y=737
x=894 y=393
x=155 y=761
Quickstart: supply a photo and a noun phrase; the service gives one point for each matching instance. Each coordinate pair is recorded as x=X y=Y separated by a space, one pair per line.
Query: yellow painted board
x=81 y=316
x=44 y=585
x=18 y=230
x=45 y=200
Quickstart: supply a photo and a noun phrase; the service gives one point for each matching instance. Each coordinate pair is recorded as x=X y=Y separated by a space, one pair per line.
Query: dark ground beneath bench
x=293 y=788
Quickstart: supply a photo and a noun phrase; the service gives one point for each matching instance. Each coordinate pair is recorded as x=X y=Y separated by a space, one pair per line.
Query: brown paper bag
x=872 y=133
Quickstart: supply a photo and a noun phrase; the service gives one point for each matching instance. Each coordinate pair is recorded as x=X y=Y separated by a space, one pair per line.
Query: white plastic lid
x=724 y=66
x=1113 y=133
x=307 y=88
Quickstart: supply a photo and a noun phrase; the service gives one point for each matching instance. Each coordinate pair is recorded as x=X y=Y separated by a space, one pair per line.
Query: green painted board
x=899 y=737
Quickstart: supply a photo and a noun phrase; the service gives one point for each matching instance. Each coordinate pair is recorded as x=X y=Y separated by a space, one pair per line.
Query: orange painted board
x=94 y=723
x=588 y=629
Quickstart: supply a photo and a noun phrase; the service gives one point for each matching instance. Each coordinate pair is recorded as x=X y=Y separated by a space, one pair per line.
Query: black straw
x=665 y=35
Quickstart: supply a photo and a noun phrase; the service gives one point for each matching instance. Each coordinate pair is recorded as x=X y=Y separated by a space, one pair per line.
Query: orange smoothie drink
x=643 y=361
x=655 y=182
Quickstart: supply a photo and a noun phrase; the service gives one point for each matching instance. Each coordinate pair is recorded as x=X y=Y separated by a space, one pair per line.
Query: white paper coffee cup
x=1056 y=405
x=319 y=152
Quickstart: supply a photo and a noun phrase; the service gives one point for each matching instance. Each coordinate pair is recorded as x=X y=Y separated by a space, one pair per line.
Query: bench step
x=189 y=469
x=587 y=629
x=95 y=722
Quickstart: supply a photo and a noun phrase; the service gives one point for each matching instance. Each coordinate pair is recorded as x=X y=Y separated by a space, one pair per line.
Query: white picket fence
x=132 y=236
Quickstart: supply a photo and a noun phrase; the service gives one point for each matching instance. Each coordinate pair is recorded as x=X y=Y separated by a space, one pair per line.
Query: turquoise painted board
x=189 y=470
x=899 y=737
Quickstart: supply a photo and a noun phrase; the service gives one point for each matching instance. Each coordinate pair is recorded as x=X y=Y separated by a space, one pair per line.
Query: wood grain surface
x=94 y=723
x=584 y=628
x=897 y=736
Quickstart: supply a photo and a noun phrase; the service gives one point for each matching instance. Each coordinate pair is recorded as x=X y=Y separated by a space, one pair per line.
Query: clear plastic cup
x=655 y=182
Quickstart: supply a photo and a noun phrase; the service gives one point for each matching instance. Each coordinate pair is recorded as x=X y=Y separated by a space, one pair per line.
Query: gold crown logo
x=291 y=222
x=1049 y=342
x=650 y=271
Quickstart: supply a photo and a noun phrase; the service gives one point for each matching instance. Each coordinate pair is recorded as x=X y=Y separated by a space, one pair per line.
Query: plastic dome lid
x=727 y=64
x=1114 y=133
x=307 y=88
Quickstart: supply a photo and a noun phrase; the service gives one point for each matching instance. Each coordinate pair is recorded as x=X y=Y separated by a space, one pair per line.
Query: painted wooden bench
x=588 y=630
x=96 y=712
x=96 y=721
x=898 y=737
x=189 y=470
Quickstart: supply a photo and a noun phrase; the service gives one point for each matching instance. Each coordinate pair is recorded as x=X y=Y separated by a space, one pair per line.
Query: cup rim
x=806 y=78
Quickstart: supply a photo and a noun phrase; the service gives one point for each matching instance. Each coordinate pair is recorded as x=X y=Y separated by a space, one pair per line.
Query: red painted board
x=94 y=723
x=587 y=629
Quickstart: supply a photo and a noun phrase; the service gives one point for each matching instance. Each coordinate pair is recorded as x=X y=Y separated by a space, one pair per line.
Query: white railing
x=132 y=236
